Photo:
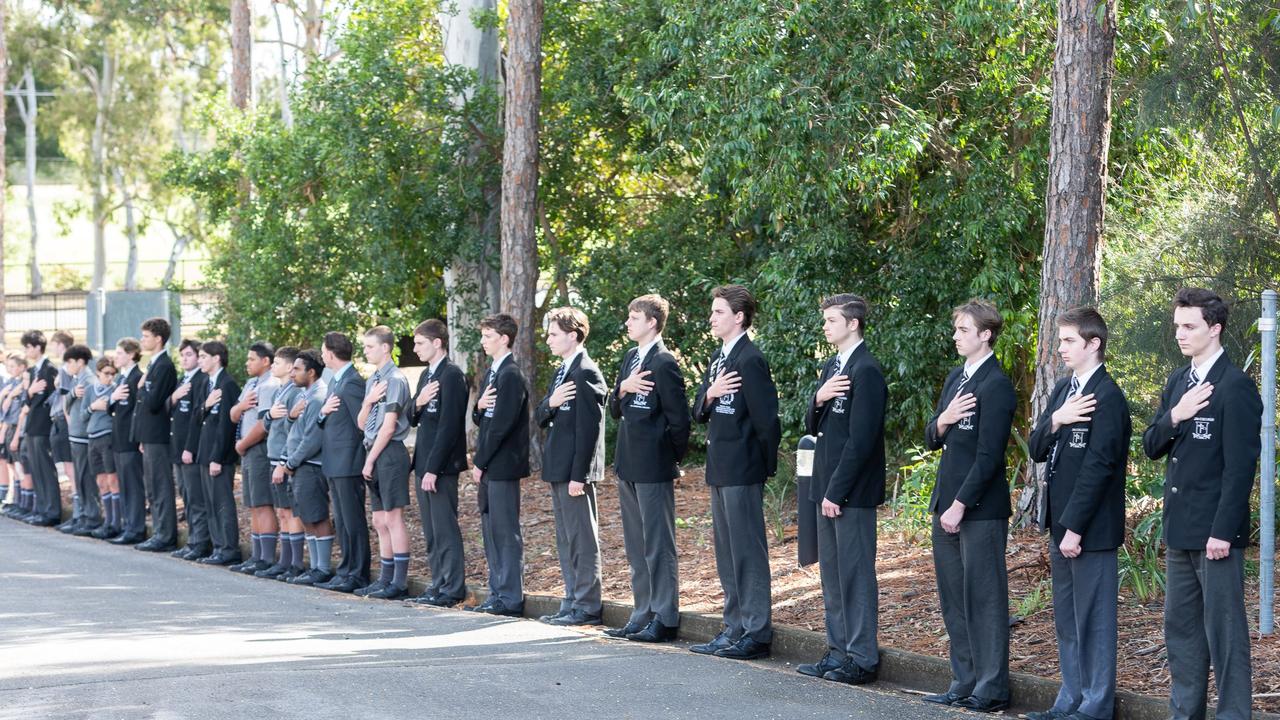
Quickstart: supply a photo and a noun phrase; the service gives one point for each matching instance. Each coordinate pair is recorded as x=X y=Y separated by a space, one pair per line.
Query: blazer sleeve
x=615 y=402
x=933 y=439
x=198 y=395
x=995 y=422
x=545 y=413
x=669 y=384
x=416 y=410
x=312 y=435
x=506 y=415
x=761 y=396
x=700 y=411
x=1108 y=451
x=1042 y=437
x=352 y=394
x=588 y=420
x=453 y=421
x=1241 y=444
x=869 y=396
x=1158 y=438
x=224 y=443
x=162 y=386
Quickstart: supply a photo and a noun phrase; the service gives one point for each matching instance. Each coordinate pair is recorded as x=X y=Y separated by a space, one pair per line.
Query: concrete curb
x=796 y=645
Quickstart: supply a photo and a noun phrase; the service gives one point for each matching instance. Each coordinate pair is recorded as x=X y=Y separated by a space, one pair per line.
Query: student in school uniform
x=182 y=411
x=1208 y=427
x=439 y=455
x=213 y=435
x=971 y=511
x=59 y=438
x=384 y=415
x=572 y=414
x=76 y=361
x=301 y=463
x=255 y=468
x=1083 y=434
x=652 y=411
x=501 y=461
x=47 y=509
x=342 y=460
x=151 y=430
x=102 y=454
x=122 y=406
x=738 y=402
x=276 y=421
x=10 y=408
x=18 y=447
x=846 y=415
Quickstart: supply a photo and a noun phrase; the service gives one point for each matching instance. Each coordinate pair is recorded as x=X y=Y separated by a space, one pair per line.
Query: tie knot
x=1075 y=385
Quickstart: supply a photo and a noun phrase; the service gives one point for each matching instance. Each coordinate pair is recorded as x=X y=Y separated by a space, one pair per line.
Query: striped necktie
x=964 y=378
x=716 y=362
x=635 y=363
x=560 y=376
x=1072 y=389
x=1193 y=379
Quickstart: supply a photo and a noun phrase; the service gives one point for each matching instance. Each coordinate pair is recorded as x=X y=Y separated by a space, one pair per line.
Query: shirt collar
x=497 y=362
x=213 y=379
x=433 y=367
x=341 y=371
x=1083 y=380
x=728 y=346
x=643 y=352
x=971 y=368
x=1202 y=371
x=844 y=355
x=569 y=360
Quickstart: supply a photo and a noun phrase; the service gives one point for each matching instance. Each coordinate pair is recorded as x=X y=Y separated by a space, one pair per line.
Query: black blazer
x=39 y=422
x=212 y=427
x=151 y=416
x=574 y=448
x=1212 y=458
x=342 y=453
x=1086 y=484
x=181 y=414
x=502 y=439
x=743 y=431
x=122 y=412
x=653 y=432
x=441 y=445
x=972 y=469
x=849 y=462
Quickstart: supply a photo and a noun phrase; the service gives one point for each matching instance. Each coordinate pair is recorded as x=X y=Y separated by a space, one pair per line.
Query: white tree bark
x=28 y=111
x=471 y=284
x=286 y=113
x=131 y=229
x=103 y=84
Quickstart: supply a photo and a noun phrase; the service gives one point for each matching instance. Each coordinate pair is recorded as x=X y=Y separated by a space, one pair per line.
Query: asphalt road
x=89 y=630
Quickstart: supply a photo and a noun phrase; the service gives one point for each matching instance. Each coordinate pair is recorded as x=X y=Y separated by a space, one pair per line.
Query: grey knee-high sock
x=297 y=540
x=286 y=554
x=400 y=578
x=268 y=541
x=323 y=559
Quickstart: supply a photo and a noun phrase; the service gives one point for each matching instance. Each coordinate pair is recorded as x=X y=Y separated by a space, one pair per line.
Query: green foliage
x=354 y=210
x=909 y=497
x=1141 y=570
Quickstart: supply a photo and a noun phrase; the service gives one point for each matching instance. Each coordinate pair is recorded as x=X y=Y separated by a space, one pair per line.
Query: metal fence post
x=1267 y=551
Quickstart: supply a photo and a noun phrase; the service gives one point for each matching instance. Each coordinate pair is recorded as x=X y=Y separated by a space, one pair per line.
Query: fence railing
x=68 y=310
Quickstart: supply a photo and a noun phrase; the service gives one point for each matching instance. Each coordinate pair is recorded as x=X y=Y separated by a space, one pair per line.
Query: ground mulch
x=909 y=615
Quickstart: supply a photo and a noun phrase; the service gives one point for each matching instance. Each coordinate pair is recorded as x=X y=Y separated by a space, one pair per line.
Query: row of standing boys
x=316 y=442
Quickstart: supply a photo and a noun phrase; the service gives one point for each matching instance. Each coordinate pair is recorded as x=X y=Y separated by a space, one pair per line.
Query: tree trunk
x=29 y=111
x=473 y=284
x=131 y=230
x=520 y=183
x=4 y=183
x=180 y=242
x=241 y=54
x=286 y=113
x=1080 y=133
x=104 y=90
